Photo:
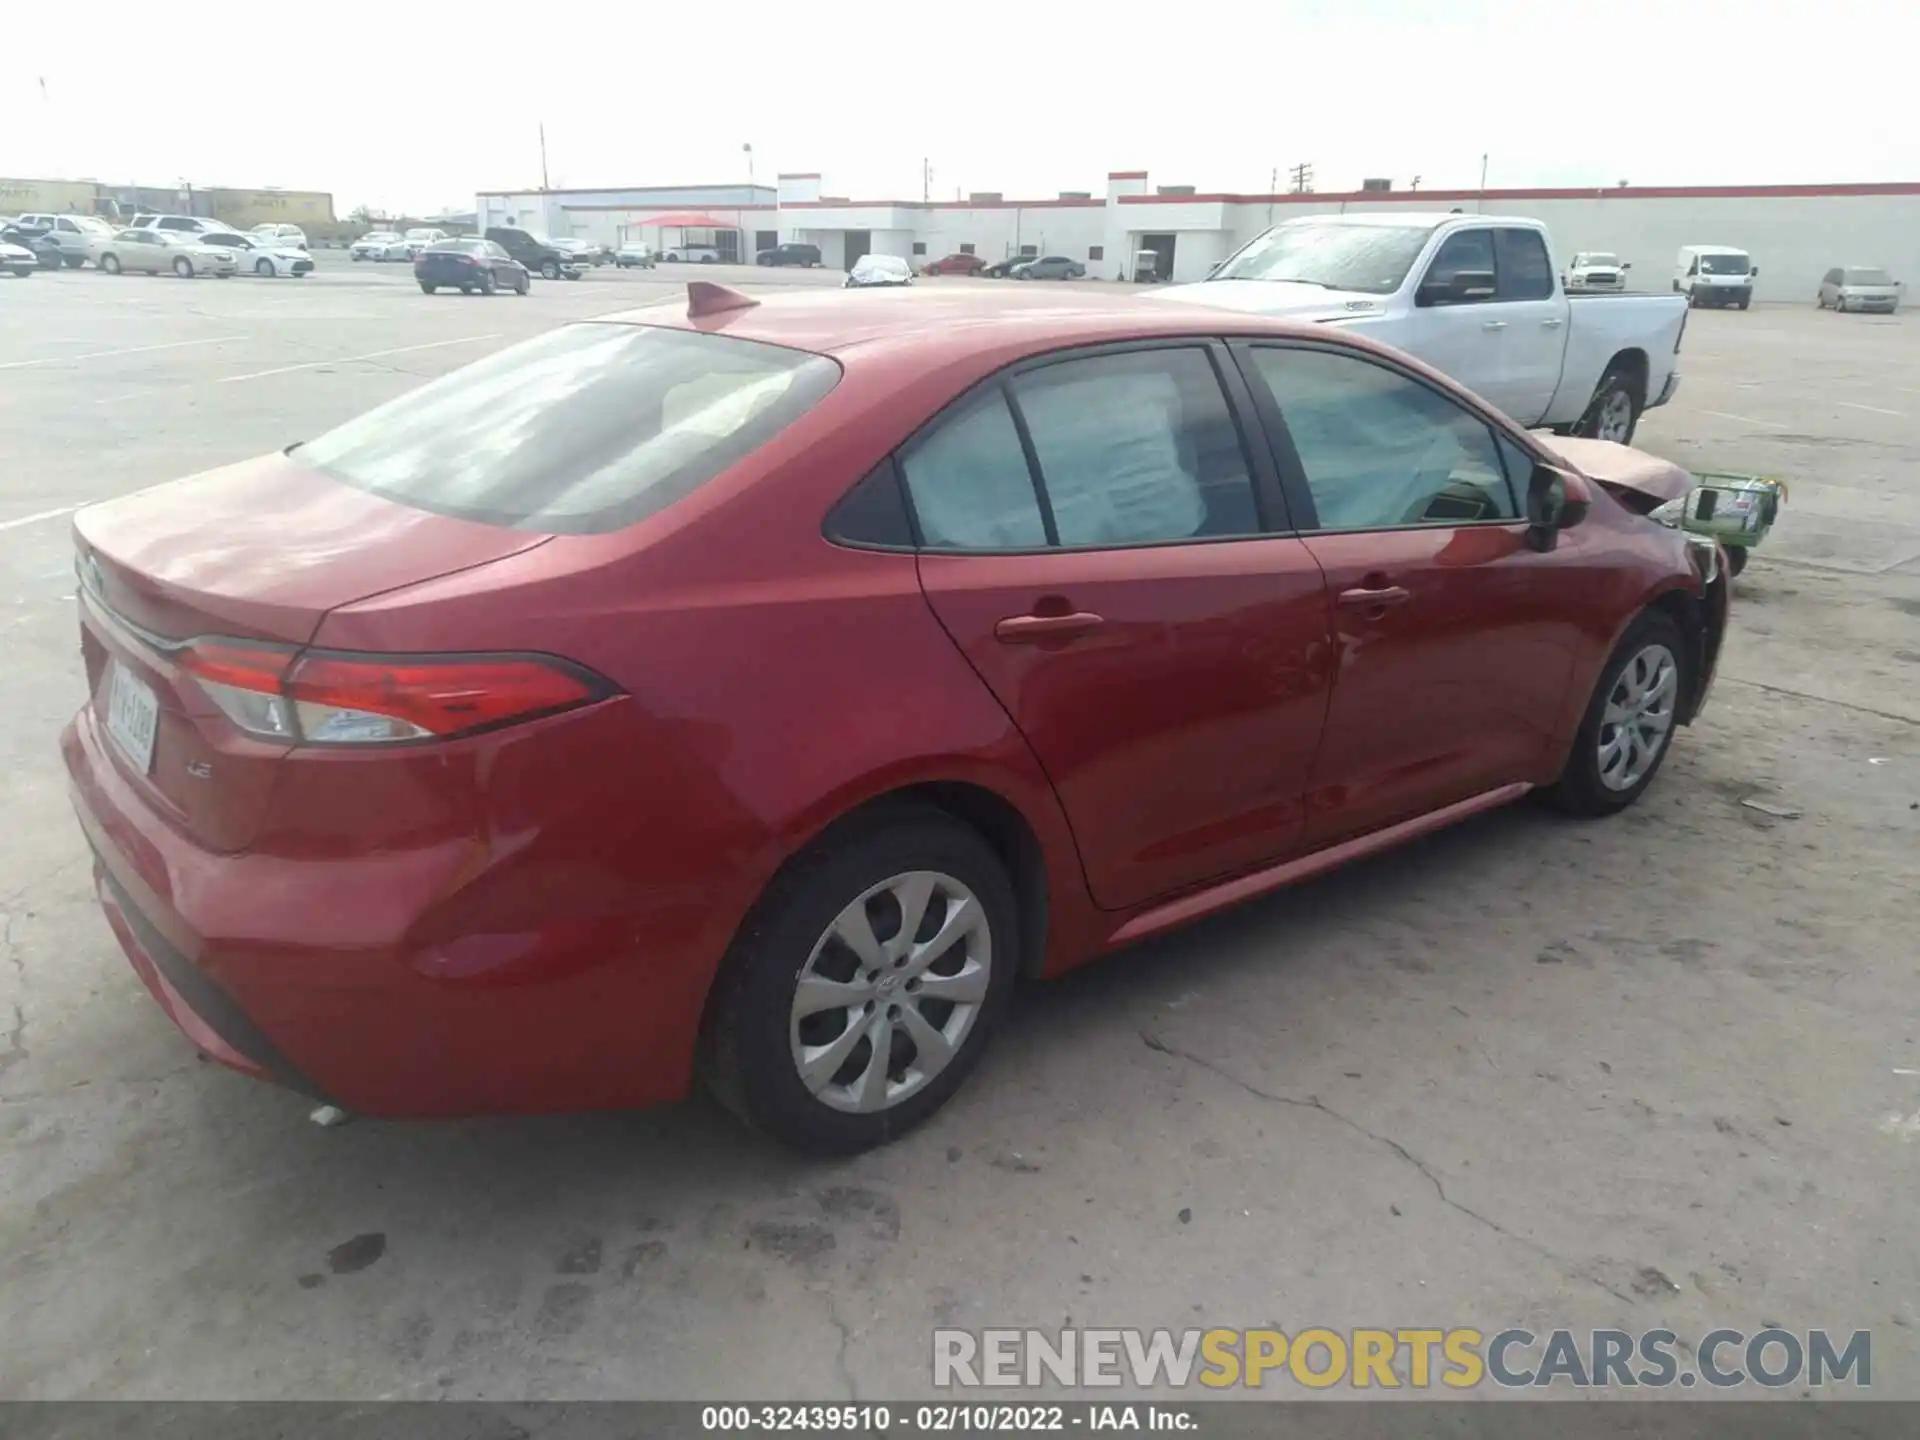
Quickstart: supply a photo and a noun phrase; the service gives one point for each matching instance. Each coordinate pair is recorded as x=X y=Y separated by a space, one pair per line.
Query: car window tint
x=1525 y=271
x=1137 y=448
x=1464 y=250
x=584 y=430
x=496 y=251
x=969 y=482
x=1381 y=450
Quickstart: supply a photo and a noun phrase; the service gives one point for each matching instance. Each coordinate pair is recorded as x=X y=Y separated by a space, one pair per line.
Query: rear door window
x=582 y=431
x=1525 y=272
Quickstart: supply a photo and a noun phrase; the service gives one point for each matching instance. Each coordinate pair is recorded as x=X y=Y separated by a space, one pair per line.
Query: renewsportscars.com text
x=1418 y=1358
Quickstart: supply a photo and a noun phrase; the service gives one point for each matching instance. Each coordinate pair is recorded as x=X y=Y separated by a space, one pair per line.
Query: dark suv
x=534 y=253
x=791 y=253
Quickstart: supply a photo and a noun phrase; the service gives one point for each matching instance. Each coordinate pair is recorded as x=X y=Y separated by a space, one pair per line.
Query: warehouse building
x=242 y=209
x=1793 y=232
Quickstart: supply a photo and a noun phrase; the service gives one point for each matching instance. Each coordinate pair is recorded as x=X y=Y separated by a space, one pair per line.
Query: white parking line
x=1873 y=409
x=34 y=519
x=1743 y=419
x=350 y=359
x=109 y=354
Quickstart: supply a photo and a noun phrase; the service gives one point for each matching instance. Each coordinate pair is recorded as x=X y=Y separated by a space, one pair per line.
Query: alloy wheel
x=1638 y=718
x=1616 y=417
x=891 y=991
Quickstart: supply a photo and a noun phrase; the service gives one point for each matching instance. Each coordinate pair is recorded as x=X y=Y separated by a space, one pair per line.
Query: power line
x=1302 y=175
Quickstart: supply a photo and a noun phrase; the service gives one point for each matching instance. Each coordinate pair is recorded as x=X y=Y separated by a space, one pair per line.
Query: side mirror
x=1754 y=273
x=1556 y=500
x=1627 y=265
x=1458 y=288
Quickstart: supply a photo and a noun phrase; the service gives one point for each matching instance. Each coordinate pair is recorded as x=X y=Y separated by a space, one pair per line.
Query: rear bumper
x=438 y=980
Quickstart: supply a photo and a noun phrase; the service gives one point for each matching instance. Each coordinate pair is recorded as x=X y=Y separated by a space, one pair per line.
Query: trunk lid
x=258 y=551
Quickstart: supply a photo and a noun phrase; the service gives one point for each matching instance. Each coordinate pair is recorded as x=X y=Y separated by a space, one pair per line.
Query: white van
x=1714 y=275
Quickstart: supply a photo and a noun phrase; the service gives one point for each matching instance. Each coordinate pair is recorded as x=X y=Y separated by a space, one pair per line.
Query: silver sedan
x=155 y=252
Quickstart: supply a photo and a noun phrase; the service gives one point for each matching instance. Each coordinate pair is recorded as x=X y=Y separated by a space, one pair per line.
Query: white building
x=1793 y=232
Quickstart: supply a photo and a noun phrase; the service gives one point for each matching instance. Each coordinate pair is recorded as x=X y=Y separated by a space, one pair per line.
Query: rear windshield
x=581 y=431
x=454 y=247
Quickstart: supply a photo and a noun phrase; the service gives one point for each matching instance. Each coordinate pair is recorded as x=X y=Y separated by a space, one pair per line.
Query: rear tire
x=1614 y=412
x=521 y=284
x=749 y=1047
x=263 y=267
x=1745 y=301
x=110 y=264
x=487 y=284
x=74 y=262
x=1614 y=759
x=183 y=267
x=1736 y=559
x=426 y=289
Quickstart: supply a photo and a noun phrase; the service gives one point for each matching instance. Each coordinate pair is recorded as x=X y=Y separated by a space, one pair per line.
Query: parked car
x=578 y=250
x=691 y=254
x=958 y=263
x=470 y=266
x=1000 y=269
x=1596 y=270
x=1715 y=275
x=1860 y=287
x=634 y=256
x=78 y=236
x=45 y=249
x=153 y=251
x=182 y=224
x=1049 y=267
x=18 y=260
x=280 y=234
x=257 y=255
x=875 y=270
x=413 y=241
x=536 y=252
x=378 y=245
x=538 y=718
x=1475 y=295
x=790 y=252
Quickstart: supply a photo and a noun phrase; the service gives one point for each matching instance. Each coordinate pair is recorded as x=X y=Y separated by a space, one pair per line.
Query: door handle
x=1553 y=324
x=1375 y=599
x=1494 y=325
x=1030 y=629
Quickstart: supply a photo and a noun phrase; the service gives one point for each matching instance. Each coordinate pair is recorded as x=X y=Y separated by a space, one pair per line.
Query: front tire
x=426 y=289
x=74 y=262
x=110 y=264
x=864 y=986
x=549 y=270
x=183 y=267
x=1736 y=559
x=522 y=284
x=1629 y=724
x=264 y=268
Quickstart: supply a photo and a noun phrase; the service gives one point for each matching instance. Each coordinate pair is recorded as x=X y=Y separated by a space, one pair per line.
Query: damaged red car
x=763 y=691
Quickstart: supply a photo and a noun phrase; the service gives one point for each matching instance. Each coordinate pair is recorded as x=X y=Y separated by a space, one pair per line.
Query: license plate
x=133 y=717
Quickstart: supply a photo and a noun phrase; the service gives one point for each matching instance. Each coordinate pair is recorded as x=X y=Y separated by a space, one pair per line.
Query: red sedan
x=763 y=690
x=957 y=263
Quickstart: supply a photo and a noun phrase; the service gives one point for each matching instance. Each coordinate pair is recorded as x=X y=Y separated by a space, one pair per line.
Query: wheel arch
x=1634 y=363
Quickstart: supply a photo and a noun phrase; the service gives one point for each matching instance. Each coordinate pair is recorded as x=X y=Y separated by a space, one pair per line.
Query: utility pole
x=543 y=155
x=1482 y=205
x=1416 y=183
x=1302 y=178
x=926 y=180
x=748 y=147
x=1273 y=185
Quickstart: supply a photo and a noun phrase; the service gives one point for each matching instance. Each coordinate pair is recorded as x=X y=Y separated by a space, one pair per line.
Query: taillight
x=318 y=697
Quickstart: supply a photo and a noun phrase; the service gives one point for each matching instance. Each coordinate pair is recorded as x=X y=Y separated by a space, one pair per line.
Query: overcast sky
x=388 y=105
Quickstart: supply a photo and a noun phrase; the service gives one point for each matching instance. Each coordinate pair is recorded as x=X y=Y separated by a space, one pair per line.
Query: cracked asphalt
x=1657 y=1071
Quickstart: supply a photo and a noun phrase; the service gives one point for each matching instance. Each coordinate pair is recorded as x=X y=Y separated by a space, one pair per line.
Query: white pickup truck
x=1475 y=296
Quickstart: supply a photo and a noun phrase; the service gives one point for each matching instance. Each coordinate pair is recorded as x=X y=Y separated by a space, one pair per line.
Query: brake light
x=319 y=697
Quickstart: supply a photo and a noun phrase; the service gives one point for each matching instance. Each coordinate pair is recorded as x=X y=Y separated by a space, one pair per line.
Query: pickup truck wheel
x=1614 y=410
x=1629 y=724
x=549 y=270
